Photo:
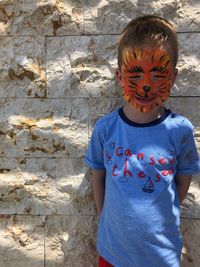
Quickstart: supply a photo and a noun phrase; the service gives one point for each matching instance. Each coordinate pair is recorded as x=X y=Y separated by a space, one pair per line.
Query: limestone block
x=188 y=80
x=82 y=66
x=74 y=179
x=43 y=127
x=28 y=187
x=22 y=67
x=69 y=241
x=41 y=17
x=111 y=16
x=22 y=241
x=45 y=186
x=191 y=239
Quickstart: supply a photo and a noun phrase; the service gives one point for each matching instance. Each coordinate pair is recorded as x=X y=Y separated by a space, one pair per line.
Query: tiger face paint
x=147 y=77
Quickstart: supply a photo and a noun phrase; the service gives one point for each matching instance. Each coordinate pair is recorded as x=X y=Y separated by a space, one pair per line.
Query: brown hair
x=149 y=30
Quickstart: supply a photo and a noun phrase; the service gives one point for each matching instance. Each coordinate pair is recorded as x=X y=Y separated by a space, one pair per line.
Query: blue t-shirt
x=139 y=223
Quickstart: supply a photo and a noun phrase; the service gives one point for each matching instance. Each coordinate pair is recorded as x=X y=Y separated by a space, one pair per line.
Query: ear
x=175 y=74
x=118 y=77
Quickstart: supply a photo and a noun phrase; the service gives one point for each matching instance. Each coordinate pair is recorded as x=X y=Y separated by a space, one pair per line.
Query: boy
x=142 y=156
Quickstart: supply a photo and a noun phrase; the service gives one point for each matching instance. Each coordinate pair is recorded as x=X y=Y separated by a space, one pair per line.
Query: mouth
x=144 y=100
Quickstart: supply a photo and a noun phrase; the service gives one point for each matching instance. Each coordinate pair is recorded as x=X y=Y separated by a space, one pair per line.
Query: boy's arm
x=98 y=185
x=182 y=185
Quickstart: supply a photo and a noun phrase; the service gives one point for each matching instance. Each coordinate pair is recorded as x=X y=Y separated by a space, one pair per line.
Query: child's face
x=147 y=76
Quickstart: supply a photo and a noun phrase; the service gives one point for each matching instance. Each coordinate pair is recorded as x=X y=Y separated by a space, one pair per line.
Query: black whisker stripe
x=166 y=64
x=162 y=84
x=132 y=82
x=162 y=57
x=161 y=92
x=162 y=88
x=125 y=65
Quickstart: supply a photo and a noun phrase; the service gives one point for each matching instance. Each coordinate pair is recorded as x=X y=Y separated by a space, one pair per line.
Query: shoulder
x=180 y=131
x=179 y=123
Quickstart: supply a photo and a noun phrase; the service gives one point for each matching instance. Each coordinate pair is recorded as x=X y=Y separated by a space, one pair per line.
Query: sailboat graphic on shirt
x=149 y=186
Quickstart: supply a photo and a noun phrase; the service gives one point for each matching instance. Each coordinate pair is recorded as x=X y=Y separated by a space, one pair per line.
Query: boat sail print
x=149 y=186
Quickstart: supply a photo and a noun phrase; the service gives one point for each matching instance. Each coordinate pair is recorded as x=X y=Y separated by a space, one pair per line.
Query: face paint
x=147 y=75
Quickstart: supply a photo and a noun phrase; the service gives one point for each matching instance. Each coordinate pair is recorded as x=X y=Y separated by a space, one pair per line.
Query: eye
x=158 y=77
x=135 y=77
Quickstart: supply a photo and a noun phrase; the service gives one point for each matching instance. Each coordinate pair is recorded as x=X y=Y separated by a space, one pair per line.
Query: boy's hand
x=182 y=185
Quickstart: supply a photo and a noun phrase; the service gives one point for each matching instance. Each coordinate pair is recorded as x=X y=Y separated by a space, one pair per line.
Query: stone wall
x=57 y=61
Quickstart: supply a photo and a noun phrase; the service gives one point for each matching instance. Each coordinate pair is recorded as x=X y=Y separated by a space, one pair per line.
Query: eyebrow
x=158 y=69
x=135 y=69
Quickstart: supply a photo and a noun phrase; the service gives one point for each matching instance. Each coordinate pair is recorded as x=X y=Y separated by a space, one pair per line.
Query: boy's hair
x=148 y=30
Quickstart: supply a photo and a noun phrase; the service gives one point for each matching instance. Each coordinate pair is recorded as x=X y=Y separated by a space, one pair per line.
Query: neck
x=142 y=117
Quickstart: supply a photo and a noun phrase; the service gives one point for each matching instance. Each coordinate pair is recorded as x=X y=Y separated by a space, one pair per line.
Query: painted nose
x=146 y=88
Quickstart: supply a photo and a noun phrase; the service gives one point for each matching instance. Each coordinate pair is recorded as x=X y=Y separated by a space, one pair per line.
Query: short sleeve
x=94 y=155
x=188 y=159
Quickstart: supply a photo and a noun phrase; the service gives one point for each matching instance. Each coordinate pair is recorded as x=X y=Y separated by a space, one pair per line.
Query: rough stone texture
x=22 y=241
x=45 y=186
x=191 y=239
x=82 y=66
x=39 y=17
x=73 y=179
x=111 y=16
x=22 y=67
x=55 y=83
x=66 y=245
x=28 y=186
x=43 y=127
x=188 y=65
x=191 y=205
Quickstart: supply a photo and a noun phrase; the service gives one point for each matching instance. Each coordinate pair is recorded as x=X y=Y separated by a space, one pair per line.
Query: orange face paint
x=147 y=76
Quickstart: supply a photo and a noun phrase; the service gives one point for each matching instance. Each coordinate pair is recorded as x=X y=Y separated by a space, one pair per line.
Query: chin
x=145 y=108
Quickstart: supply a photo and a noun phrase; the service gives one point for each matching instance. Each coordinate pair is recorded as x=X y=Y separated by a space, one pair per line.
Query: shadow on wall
x=45 y=190
x=59 y=224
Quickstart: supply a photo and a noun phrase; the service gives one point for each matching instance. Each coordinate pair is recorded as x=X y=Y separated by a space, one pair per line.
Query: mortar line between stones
x=188 y=218
x=103 y=34
x=44 y=242
x=84 y=98
x=79 y=215
x=39 y=157
x=78 y=35
x=45 y=64
x=62 y=214
x=83 y=18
